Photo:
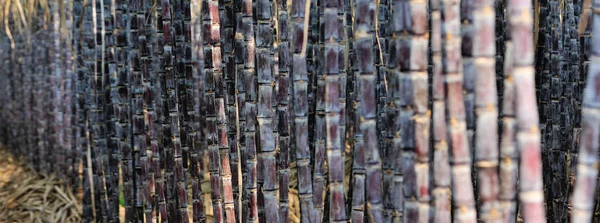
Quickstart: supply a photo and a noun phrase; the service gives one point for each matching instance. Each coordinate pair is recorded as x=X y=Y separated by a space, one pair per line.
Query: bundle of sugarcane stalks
x=308 y=110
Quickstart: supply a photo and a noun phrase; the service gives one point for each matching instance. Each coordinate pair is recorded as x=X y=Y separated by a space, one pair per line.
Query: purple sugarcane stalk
x=300 y=16
x=332 y=55
x=283 y=107
x=442 y=198
x=486 y=109
x=364 y=36
x=587 y=171
x=463 y=198
x=265 y=115
x=528 y=137
x=509 y=155
x=198 y=73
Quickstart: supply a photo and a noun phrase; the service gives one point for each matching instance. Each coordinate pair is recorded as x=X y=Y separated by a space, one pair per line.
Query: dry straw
x=26 y=196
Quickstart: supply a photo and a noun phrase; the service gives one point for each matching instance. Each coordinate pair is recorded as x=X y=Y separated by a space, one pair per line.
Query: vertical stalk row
x=509 y=155
x=585 y=186
x=486 y=109
x=149 y=58
x=528 y=133
x=319 y=125
x=463 y=198
x=300 y=16
x=265 y=114
x=441 y=165
x=364 y=37
x=333 y=53
x=228 y=20
x=198 y=73
x=212 y=49
x=283 y=108
x=137 y=107
x=110 y=89
x=177 y=107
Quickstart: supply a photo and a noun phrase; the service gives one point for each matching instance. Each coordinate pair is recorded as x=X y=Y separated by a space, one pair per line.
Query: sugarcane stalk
x=364 y=37
x=149 y=70
x=264 y=72
x=56 y=90
x=68 y=92
x=332 y=55
x=111 y=92
x=176 y=85
x=228 y=20
x=574 y=64
x=384 y=109
x=319 y=124
x=464 y=208
x=213 y=74
x=468 y=38
x=509 y=155
x=241 y=30
x=486 y=109
x=585 y=185
x=441 y=165
x=160 y=157
x=408 y=55
x=139 y=138
x=528 y=135
x=300 y=15
x=283 y=109
x=198 y=73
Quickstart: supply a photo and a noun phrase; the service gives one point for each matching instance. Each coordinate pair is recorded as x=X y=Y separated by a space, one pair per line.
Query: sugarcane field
x=301 y=111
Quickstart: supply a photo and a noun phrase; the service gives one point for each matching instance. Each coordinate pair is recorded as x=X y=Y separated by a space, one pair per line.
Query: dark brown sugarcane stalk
x=364 y=37
x=227 y=17
x=585 y=186
x=96 y=117
x=300 y=15
x=228 y=20
x=101 y=87
x=409 y=64
x=122 y=108
x=137 y=107
x=79 y=94
x=145 y=20
x=213 y=75
x=464 y=209
x=264 y=72
x=169 y=107
x=332 y=55
x=68 y=93
x=528 y=133
x=486 y=110
x=442 y=202
x=572 y=44
x=384 y=110
x=160 y=157
x=240 y=101
x=319 y=124
x=393 y=174
x=218 y=77
x=56 y=91
x=177 y=109
x=467 y=29
x=283 y=109
x=150 y=115
x=420 y=101
x=198 y=73
x=509 y=155
x=110 y=89
x=86 y=59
